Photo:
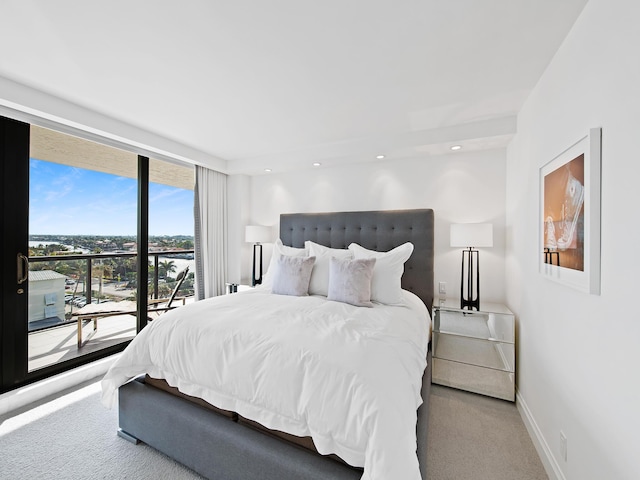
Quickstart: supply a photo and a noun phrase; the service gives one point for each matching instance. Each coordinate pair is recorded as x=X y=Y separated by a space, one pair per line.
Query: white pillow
x=279 y=250
x=387 y=272
x=319 y=284
x=350 y=281
x=292 y=274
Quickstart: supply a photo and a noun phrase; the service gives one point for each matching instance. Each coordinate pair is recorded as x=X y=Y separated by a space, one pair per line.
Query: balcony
x=58 y=288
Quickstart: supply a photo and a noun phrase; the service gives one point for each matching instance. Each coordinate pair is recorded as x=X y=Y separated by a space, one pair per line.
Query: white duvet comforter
x=349 y=377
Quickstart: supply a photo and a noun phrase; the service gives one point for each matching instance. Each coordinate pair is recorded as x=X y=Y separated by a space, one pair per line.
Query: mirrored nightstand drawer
x=495 y=383
x=496 y=355
x=476 y=324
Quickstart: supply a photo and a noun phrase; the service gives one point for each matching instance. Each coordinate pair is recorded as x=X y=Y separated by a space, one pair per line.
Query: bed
x=224 y=441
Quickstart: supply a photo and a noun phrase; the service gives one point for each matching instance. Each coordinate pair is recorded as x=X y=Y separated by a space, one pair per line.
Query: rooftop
x=40 y=275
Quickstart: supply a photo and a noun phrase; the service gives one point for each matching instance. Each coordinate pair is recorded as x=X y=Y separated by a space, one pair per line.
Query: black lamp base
x=470 y=304
x=256 y=273
x=470 y=262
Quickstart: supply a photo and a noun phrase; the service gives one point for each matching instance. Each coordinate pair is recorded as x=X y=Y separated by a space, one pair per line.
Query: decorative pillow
x=279 y=250
x=319 y=284
x=292 y=274
x=387 y=272
x=350 y=281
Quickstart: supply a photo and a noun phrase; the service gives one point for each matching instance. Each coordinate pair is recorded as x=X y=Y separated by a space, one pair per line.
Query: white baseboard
x=22 y=396
x=549 y=462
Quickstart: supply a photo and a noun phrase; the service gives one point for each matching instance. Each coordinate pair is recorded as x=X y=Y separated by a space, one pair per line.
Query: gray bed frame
x=219 y=448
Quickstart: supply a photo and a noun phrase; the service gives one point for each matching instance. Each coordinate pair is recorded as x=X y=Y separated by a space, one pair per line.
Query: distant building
x=106 y=244
x=46 y=295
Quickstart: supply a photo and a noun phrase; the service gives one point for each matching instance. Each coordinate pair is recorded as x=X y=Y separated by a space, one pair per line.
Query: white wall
x=579 y=354
x=461 y=187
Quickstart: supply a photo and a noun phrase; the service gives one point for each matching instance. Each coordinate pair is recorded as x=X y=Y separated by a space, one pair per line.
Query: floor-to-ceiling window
x=79 y=214
x=82 y=245
x=171 y=231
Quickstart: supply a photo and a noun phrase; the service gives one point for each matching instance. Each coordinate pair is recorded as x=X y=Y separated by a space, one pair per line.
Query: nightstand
x=474 y=350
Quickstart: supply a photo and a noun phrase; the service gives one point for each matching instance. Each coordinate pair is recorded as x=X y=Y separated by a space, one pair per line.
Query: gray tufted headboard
x=374 y=230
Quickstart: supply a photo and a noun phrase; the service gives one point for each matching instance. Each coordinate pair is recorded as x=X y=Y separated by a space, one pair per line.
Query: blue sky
x=66 y=200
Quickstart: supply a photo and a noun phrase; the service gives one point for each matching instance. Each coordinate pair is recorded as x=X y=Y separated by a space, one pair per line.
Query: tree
x=166 y=267
x=101 y=271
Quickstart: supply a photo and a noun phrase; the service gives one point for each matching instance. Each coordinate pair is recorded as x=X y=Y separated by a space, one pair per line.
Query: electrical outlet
x=563 y=445
x=442 y=288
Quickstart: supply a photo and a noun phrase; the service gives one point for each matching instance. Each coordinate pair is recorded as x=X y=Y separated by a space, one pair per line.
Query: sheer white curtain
x=210 y=214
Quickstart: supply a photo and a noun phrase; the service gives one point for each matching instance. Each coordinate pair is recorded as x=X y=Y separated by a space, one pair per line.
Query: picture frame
x=569 y=220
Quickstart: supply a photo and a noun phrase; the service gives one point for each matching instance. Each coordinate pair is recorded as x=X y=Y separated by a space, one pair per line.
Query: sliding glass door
x=82 y=246
x=75 y=240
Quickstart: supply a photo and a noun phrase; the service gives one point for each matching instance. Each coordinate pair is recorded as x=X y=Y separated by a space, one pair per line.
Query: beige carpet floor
x=72 y=436
x=473 y=437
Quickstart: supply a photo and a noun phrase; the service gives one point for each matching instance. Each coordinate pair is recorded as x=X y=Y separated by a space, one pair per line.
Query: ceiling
x=283 y=83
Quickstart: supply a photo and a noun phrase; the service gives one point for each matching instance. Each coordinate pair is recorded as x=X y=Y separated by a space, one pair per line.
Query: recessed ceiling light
x=379 y=157
x=316 y=164
x=456 y=147
x=267 y=170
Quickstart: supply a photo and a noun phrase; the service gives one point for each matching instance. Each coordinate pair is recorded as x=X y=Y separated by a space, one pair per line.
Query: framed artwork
x=569 y=239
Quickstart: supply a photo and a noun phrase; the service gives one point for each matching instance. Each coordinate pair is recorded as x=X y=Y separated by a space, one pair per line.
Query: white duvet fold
x=349 y=377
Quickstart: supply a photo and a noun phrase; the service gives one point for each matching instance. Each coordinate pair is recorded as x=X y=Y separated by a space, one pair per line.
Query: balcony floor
x=58 y=344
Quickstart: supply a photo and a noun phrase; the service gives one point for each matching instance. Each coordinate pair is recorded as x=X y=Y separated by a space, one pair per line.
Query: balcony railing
x=94 y=261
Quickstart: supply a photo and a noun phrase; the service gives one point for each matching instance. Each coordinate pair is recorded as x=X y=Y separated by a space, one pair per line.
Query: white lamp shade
x=469 y=235
x=257 y=234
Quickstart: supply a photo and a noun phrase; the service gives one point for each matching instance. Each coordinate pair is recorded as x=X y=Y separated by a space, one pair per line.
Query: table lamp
x=468 y=236
x=257 y=234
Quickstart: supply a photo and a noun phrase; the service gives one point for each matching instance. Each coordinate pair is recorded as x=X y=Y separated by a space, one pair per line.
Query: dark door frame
x=14 y=155
x=14 y=239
